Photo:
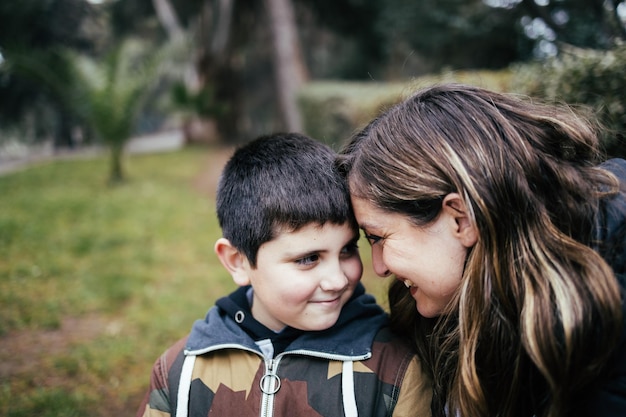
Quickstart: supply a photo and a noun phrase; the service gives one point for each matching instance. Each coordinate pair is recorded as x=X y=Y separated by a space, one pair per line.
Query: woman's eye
x=308 y=260
x=373 y=239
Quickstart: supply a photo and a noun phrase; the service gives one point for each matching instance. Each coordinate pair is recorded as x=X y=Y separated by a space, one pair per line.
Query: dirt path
x=206 y=181
x=23 y=351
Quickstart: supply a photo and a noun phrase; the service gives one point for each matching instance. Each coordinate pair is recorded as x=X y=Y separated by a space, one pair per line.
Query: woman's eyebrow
x=365 y=226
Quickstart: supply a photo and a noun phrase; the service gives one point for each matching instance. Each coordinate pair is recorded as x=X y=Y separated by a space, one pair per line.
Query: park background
x=106 y=246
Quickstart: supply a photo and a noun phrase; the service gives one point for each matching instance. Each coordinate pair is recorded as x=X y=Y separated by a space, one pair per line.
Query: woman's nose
x=377 y=263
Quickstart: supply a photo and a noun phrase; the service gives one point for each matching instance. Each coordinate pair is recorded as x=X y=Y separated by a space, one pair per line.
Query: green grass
x=138 y=257
x=73 y=245
x=139 y=254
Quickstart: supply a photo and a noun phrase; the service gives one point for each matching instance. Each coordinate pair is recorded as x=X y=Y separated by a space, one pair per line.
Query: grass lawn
x=95 y=281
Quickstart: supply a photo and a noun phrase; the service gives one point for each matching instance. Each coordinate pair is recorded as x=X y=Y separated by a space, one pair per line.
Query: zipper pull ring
x=270 y=382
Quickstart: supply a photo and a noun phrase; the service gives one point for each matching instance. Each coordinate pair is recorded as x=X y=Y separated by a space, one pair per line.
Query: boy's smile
x=303 y=279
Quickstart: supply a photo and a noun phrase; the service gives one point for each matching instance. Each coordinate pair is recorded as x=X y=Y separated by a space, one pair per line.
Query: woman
x=510 y=239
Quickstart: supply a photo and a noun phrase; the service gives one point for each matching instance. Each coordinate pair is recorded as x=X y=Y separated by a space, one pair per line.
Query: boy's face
x=303 y=278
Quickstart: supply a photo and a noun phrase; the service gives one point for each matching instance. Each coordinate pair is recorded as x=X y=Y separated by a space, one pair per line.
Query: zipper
x=270 y=381
x=329 y=356
x=270 y=384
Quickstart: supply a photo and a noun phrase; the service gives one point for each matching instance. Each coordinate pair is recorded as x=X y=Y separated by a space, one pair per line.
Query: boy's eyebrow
x=300 y=253
x=296 y=253
x=310 y=249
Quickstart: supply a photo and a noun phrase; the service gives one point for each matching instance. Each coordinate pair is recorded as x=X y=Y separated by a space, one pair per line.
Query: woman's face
x=429 y=259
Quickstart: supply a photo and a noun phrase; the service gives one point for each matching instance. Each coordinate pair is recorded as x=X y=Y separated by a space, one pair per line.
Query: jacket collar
x=352 y=335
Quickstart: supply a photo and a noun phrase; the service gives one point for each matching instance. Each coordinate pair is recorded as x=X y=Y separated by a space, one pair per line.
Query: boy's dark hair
x=276 y=183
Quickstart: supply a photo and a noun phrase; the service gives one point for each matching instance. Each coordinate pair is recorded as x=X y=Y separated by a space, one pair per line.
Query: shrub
x=592 y=79
x=332 y=110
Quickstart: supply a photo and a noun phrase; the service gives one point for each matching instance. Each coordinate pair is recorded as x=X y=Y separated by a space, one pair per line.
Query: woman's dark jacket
x=608 y=397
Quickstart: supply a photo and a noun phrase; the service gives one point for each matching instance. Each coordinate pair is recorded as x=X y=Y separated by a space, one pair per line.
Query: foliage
x=32 y=33
x=453 y=33
x=201 y=103
x=342 y=39
x=38 y=80
x=588 y=78
x=332 y=111
x=112 y=94
x=359 y=44
x=49 y=22
x=581 y=23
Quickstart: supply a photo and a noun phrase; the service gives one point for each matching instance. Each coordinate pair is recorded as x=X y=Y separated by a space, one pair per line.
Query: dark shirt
x=238 y=306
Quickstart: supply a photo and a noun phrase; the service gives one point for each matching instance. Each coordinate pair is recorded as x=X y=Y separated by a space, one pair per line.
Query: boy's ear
x=464 y=229
x=234 y=261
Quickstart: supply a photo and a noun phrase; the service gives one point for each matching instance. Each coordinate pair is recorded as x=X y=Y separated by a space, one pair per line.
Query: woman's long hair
x=538 y=310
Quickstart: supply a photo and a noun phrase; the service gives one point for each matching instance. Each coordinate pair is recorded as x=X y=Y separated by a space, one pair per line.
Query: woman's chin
x=426 y=309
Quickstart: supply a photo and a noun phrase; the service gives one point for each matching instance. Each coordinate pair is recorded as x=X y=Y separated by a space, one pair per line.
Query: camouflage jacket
x=357 y=367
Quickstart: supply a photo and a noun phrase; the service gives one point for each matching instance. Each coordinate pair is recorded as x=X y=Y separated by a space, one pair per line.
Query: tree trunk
x=215 y=68
x=116 y=174
x=222 y=27
x=168 y=19
x=289 y=69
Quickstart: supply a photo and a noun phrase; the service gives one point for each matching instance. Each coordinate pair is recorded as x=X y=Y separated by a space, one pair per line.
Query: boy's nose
x=334 y=279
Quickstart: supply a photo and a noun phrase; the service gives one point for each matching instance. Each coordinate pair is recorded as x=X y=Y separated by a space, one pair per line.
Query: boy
x=299 y=337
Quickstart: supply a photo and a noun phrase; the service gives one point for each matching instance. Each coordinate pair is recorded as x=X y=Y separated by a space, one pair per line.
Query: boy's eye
x=308 y=260
x=373 y=239
x=350 y=249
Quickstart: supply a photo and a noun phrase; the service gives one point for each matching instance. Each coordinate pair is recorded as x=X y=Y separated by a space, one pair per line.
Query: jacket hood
x=352 y=335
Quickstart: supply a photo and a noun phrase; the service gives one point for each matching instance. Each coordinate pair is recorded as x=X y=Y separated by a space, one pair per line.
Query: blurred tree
x=403 y=38
x=168 y=18
x=591 y=80
x=431 y=34
x=236 y=46
x=33 y=73
x=221 y=35
x=595 y=24
x=342 y=37
x=219 y=30
x=290 y=71
x=112 y=91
